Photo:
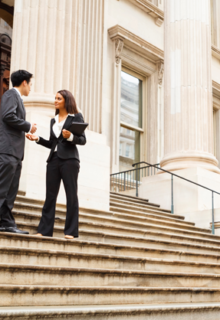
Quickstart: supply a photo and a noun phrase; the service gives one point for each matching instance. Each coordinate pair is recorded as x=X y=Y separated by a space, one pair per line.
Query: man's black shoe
x=15 y=230
x=2 y=229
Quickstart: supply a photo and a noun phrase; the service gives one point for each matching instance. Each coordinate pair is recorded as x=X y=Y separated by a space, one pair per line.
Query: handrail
x=120 y=172
x=190 y=181
x=123 y=180
x=176 y=175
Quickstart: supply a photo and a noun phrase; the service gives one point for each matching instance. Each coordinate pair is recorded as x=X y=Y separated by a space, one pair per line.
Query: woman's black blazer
x=65 y=149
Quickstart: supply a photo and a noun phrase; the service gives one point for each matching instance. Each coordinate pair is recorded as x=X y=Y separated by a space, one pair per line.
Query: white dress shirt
x=58 y=126
x=22 y=100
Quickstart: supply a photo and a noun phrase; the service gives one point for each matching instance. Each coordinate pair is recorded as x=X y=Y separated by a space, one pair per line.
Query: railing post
x=124 y=181
x=213 y=216
x=136 y=183
x=172 y=206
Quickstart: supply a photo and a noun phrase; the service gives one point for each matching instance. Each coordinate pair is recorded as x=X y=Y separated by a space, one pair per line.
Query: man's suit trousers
x=10 y=171
x=66 y=170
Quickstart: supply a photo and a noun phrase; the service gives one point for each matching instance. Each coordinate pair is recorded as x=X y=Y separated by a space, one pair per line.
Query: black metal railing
x=130 y=179
x=190 y=181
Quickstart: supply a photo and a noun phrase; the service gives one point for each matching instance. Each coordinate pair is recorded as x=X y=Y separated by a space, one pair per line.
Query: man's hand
x=31 y=137
x=66 y=133
x=33 y=128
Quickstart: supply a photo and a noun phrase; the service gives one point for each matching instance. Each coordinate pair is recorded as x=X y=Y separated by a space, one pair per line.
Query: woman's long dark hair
x=70 y=102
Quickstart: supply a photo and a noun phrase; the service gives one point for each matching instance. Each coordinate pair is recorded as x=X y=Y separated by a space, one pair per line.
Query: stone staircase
x=136 y=261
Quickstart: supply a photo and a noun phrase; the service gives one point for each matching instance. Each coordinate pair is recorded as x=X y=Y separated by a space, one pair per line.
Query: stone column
x=188 y=86
x=61 y=43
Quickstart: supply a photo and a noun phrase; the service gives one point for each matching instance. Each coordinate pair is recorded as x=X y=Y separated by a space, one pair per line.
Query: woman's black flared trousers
x=67 y=170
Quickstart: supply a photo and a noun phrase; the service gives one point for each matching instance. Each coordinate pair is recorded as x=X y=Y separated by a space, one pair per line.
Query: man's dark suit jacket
x=65 y=149
x=13 y=125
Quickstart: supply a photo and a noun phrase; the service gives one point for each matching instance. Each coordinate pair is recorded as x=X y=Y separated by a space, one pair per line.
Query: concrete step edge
x=123 y=218
x=92 y=310
x=156 y=218
x=128 y=196
x=87 y=289
x=20 y=238
x=139 y=204
x=149 y=225
x=123 y=272
x=23 y=225
x=147 y=210
x=37 y=251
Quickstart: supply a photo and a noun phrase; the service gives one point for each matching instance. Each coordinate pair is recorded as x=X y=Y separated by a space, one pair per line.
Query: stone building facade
x=146 y=75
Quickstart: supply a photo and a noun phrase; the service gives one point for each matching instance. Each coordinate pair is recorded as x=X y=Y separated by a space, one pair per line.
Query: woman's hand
x=66 y=133
x=31 y=137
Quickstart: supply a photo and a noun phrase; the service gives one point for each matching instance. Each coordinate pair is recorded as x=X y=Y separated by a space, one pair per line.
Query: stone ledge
x=136 y=43
x=150 y=9
x=216 y=52
x=216 y=88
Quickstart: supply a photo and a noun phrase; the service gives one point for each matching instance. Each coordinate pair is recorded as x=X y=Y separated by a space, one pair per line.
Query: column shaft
x=188 y=86
x=61 y=43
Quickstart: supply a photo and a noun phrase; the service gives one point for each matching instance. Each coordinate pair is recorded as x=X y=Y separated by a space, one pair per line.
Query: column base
x=182 y=161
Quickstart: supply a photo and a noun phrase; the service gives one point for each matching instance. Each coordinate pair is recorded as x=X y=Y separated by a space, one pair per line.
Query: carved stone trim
x=216 y=52
x=132 y=41
x=118 y=50
x=150 y=9
x=160 y=72
x=216 y=89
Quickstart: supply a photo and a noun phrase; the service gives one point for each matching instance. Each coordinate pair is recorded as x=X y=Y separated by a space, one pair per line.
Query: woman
x=63 y=164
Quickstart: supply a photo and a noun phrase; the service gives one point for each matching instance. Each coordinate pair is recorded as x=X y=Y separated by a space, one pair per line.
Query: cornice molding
x=150 y=9
x=216 y=89
x=134 y=42
x=216 y=52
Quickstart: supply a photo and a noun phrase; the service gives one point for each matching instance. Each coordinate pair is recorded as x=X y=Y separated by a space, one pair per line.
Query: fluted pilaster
x=188 y=86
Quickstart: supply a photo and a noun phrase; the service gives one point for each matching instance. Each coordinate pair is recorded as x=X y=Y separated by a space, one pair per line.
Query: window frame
x=143 y=129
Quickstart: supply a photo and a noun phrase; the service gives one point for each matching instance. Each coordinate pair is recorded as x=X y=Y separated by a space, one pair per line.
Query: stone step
x=29 y=201
x=22 y=198
x=121 y=225
x=21 y=295
x=150 y=247
x=129 y=236
x=118 y=217
x=132 y=201
x=143 y=211
x=117 y=220
x=128 y=197
x=135 y=215
x=142 y=205
x=180 y=311
x=26 y=256
x=14 y=274
x=21 y=193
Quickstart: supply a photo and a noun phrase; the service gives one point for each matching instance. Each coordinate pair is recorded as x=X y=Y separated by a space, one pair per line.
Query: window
x=130 y=120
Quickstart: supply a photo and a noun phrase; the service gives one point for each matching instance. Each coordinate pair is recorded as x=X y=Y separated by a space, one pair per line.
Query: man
x=12 y=140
